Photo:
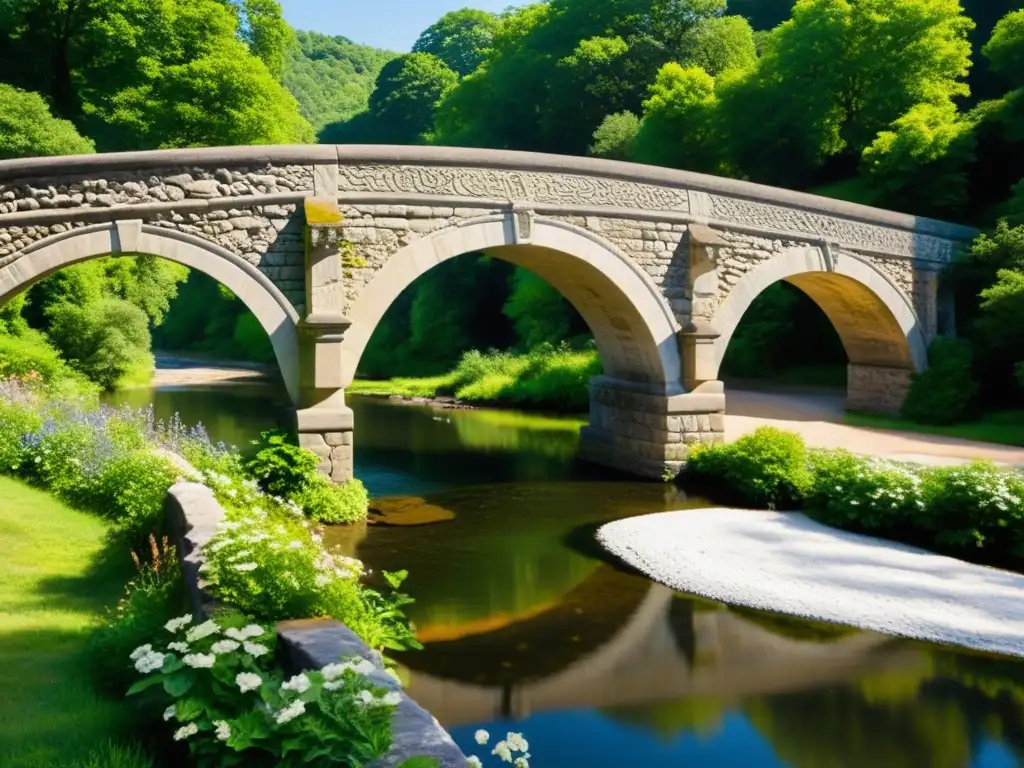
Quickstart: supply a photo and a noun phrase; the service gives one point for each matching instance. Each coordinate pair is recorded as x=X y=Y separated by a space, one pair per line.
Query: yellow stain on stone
x=322 y=211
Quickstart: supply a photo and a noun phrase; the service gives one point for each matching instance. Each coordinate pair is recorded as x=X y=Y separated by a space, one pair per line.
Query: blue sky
x=390 y=24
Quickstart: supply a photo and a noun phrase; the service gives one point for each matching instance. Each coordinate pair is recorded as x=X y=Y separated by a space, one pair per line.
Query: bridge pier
x=877 y=388
x=646 y=433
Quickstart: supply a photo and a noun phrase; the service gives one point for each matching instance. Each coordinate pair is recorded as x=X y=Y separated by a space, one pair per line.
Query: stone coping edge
x=319 y=154
x=193 y=515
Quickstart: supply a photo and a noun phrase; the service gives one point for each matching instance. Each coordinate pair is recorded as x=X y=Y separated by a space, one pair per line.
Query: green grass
x=546 y=378
x=55 y=582
x=1002 y=427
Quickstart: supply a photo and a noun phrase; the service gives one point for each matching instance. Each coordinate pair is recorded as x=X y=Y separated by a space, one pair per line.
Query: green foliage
x=768 y=467
x=134 y=74
x=943 y=393
x=280 y=466
x=678 y=123
x=1005 y=49
x=113 y=755
x=333 y=503
x=615 y=136
x=233 y=708
x=27 y=129
x=408 y=90
x=976 y=506
x=924 y=158
x=266 y=32
x=460 y=39
x=718 y=44
x=332 y=77
x=852 y=492
x=539 y=313
x=1002 y=320
x=30 y=356
x=106 y=340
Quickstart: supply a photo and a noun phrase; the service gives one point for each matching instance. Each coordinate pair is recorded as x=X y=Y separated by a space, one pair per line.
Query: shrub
x=768 y=467
x=975 y=506
x=29 y=356
x=863 y=494
x=131 y=492
x=280 y=466
x=232 y=707
x=17 y=419
x=327 y=502
x=943 y=393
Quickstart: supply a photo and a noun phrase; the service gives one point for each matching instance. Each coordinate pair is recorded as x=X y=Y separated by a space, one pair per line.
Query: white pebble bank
x=786 y=562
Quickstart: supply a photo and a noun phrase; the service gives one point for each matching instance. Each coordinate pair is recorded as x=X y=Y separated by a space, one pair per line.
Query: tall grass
x=546 y=378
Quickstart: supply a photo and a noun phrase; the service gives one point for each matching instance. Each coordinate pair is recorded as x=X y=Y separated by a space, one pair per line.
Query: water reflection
x=528 y=627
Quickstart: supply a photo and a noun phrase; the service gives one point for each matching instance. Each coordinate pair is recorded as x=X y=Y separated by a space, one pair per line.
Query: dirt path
x=181 y=371
x=818 y=418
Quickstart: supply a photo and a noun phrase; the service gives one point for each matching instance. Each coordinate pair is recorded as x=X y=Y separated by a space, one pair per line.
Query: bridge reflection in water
x=619 y=641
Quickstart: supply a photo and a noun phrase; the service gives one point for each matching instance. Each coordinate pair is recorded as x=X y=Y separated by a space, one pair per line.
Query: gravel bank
x=786 y=562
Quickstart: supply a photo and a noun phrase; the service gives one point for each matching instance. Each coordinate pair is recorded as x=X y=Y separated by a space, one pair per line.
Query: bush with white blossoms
x=220 y=693
x=512 y=749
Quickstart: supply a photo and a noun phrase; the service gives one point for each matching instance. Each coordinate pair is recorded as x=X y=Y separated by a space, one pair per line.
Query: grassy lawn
x=54 y=585
x=1004 y=427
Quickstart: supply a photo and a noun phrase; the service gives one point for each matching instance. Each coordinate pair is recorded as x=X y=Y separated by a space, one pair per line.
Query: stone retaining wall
x=193 y=515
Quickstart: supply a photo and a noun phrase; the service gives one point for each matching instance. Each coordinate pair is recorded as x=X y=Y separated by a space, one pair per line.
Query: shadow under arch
x=273 y=310
x=635 y=330
x=875 y=321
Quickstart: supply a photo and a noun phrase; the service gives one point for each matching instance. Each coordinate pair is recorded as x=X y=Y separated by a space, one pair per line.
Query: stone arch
x=634 y=327
x=877 y=324
x=274 y=312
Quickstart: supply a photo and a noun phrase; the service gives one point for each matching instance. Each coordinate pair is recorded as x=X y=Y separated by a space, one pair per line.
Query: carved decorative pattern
x=511 y=185
x=868 y=237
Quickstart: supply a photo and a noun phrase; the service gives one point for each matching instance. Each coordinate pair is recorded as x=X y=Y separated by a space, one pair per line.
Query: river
x=528 y=628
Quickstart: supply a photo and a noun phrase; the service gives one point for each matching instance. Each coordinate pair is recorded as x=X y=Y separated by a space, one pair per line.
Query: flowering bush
x=976 y=506
x=269 y=561
x=867 y=494
x=327 y=502
x=223 y=696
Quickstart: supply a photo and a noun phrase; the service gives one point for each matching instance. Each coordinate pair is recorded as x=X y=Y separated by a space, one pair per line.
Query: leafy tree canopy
x=461 y=39
x=27 y=129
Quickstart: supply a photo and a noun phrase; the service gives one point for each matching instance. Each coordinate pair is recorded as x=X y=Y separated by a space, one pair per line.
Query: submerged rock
x=407 y=510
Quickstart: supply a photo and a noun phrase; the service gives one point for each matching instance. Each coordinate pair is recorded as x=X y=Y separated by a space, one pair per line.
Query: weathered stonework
x=662 y=264
x=876 y=389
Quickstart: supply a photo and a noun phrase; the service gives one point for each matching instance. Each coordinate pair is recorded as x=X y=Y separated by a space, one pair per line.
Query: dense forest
x=915 y=105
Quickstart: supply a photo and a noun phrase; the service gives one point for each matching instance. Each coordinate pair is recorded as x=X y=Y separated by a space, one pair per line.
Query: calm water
x=527 y=628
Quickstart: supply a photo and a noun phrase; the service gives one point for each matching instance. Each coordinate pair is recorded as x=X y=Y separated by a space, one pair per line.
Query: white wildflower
x=521 y=762
x=174 y=625
x=333 y=685
x=366 y=698
x=200 y=660
x=251 y=631
x=299 y=684
x=179 y=647
x=501 y=749
x=294 y=544
x=255 y=649
x=185 y=731
x=364 y=667
x=290 y=712
x=169 y=713
x=482 y=736
x=223 y=730
x=149 y=662
x=245 y=567
x=200 y=631
x=473 y=762
x=224 y=646
x=391 y=699
x=248 y=681
x=141 y=651
x=333 y=671
x=516 y=742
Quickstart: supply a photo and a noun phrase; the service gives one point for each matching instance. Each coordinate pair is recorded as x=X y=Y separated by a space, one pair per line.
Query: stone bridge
x=318 y=241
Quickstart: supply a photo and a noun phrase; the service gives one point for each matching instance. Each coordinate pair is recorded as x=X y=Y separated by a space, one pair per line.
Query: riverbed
x=529 y=627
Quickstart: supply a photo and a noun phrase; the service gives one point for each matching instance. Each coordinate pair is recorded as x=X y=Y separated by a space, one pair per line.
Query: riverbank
x=174 y=370
x=788 y=563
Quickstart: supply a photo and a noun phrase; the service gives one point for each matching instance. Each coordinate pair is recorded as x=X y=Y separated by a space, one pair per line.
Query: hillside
x=332 y=77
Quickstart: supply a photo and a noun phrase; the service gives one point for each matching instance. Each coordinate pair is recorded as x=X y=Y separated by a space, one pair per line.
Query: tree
x=120 y=69
x=924 y=158
x=678 y=128
x=27 y=129
x=1002 y=320
x=539 y=313
x=614 y=138
x=835 y=75
x=267 y=34
x=719 y=43
x=461 y=39
x=407 y=93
